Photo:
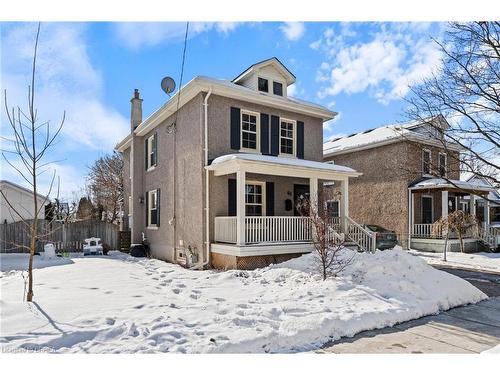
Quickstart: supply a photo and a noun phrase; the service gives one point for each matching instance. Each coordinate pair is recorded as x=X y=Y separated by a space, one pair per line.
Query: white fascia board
x=124 y=144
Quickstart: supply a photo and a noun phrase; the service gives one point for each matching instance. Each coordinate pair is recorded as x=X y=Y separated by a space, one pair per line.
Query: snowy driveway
x=119 y=304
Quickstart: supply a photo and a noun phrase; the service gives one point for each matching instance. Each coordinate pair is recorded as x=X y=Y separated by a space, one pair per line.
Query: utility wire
x=174 y=143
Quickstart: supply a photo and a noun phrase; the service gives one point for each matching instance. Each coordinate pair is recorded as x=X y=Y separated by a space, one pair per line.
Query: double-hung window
x=254 y=199
x=442 y=164
x=153 y=208
x=287 y=139
x=249 y=131
x=151 y=153
x=426 y=161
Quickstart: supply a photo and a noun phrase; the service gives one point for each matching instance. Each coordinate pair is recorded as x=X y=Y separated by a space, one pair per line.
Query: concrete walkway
x=467 y=329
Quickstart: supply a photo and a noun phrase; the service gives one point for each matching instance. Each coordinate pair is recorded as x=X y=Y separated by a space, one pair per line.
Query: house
x=21 y=203
x=216 y=180
x=409 y=181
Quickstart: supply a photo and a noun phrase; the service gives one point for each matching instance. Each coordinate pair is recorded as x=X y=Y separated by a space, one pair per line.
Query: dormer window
x=263 y=84
x=277 y=88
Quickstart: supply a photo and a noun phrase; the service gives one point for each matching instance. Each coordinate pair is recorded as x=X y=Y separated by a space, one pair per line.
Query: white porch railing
x=365 y=239
x=225 y=229
x=422 y=231
x=277 y=229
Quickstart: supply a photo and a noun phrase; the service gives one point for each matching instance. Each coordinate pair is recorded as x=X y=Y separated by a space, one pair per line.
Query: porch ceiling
x=280 y=166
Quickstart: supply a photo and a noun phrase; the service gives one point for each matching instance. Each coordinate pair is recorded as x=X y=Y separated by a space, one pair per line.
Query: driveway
x=467 y=329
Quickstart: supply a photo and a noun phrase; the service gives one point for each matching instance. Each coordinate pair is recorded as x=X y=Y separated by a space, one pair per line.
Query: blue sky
x=361 y=70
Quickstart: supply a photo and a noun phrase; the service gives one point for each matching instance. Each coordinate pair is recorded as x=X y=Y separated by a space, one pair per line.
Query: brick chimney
x=136 y=110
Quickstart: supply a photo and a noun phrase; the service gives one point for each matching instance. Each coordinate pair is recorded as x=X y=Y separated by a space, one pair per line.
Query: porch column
x=344 y=202
x=240 y=207
x=444 y=203
x=472 y=205
x=411 y=218
x=313 y=201
x=487 y=215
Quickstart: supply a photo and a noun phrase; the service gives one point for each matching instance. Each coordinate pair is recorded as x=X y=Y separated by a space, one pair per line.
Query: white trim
x=150 y=193
x=257 y=131
x=422 y=207
x=294 y=138
x=424 y=173
x=262 y=249
x=149 y=152
x=445 y=164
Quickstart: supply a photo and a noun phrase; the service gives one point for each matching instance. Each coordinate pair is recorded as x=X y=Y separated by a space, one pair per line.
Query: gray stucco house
x=215 y=182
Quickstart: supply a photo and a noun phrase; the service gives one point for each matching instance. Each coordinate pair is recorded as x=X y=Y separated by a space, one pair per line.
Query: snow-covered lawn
x=123 y=304
x=476 y=261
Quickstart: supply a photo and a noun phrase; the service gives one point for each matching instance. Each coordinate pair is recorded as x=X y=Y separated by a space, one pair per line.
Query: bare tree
x=105 y=183
x=465 y=91
x=328 y=243
x=458 y=222
x=31 y=141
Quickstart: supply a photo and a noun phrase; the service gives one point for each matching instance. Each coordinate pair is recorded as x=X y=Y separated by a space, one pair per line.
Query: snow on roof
x=373 y=137
x=366 y=137
x=283 y=161
x=437 y=183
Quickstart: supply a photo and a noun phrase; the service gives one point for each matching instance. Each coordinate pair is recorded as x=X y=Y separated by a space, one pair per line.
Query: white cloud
x=384 y=66
x=135 y=35
x=66 y=81
x=293 y=30
x=328 y=127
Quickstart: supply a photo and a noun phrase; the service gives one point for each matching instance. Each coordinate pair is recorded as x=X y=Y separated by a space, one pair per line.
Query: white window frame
x=263 y=189
x=445 y=164
x=294 y=123
x=150 y=152
x=422 y=207
x=270 y=83
x=423 y=162
x=150 y=208
x=257 y=131
x=329 y=201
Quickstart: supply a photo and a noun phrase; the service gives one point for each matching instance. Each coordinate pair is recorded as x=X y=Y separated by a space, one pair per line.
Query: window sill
x=151 y=168
x=289 y=156
x=249 y=151
x=152 y=228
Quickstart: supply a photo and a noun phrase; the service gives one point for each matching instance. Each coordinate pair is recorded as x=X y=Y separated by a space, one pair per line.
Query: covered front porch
x=260 y=215
x=432 y=199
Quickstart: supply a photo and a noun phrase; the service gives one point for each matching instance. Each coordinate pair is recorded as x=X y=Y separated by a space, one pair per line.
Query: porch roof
x=274 y=165
x=447 y=184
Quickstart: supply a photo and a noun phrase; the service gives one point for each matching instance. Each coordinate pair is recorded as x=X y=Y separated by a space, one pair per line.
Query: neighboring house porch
x=431 y=199
x=261 y=218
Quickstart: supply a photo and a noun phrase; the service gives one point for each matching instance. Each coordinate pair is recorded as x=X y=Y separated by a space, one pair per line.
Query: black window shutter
x=300 y=139
x=146 y=154
x=264 y=133
x=155 y=149
x=275 y=135
x=269 y=198
x=235 y=128
x=231 y=197
x=147 y=208
x=158 y=207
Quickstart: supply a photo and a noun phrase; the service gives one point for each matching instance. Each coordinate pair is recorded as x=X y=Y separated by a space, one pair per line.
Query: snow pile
x=119 y=304
x=488 y=262
x=13 y=262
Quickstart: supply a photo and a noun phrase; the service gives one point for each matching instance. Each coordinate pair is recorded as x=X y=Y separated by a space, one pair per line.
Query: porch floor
x=256 y=249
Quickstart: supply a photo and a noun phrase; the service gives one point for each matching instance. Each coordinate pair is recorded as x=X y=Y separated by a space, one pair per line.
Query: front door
x=300 y=192
x=427 y=210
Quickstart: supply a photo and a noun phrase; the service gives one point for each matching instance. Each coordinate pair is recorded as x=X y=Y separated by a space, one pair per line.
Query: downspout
x=207 y=187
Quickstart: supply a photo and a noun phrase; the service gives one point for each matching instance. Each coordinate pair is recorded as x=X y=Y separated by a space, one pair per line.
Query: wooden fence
x=70 y=236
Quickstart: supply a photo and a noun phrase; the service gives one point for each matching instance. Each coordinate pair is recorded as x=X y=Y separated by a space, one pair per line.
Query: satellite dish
x=168 y=85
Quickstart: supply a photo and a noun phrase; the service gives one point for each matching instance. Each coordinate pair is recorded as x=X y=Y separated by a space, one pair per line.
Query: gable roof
x=383 y=135
x=494 y=195
x=19 y=188
x=275 y=62
x=227 y=89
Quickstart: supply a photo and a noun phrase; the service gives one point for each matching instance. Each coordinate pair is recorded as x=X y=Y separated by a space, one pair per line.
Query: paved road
x=489 y=283
x=467 y=329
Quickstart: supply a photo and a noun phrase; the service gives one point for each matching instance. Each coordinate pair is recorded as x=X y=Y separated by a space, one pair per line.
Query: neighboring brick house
x=402 y=188
x=216 y=181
